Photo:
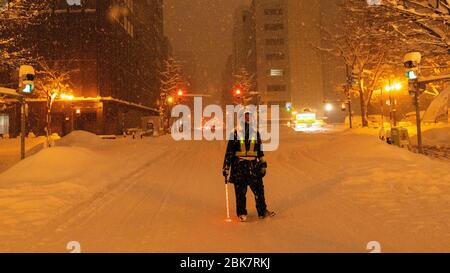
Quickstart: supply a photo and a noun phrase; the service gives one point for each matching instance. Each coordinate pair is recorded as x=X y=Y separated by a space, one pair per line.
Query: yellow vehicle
x=306 y=121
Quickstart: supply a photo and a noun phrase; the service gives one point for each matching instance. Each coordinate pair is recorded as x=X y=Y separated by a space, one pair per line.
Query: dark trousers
x=257 y=188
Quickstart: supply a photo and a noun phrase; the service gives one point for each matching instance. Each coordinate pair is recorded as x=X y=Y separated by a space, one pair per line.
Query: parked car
x=139 y=133
x=149 y=131
x=132 y=132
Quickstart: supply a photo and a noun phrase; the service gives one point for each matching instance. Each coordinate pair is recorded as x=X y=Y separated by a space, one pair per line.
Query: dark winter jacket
x=244 y=158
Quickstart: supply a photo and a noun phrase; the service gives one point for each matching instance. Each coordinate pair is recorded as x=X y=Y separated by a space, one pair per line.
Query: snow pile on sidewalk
x=10 y=150
x=437 y=137
x=80 y=139
x=55 y=179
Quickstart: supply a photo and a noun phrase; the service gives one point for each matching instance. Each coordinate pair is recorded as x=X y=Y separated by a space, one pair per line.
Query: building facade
x=272 y=51
x=244 y=41
x=290 y=69
x=113 y=50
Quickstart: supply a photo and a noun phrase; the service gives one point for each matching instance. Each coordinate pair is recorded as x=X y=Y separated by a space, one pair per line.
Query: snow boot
x=267 y=214
x=243 y=218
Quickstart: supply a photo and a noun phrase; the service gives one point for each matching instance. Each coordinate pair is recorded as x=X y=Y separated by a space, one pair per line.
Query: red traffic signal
x=237 y=92
x=180 y=92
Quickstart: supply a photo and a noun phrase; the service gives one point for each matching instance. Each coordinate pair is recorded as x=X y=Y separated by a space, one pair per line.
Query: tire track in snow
x=86 y=210
x=156 y=230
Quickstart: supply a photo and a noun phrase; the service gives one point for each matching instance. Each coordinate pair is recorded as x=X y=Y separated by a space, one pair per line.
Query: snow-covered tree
x=15 y=18
x=243 y=80
x=171 y=77
x=368 y=45
x=423 y=26
x=424 y=22
x=53 y=81
x=171 y=80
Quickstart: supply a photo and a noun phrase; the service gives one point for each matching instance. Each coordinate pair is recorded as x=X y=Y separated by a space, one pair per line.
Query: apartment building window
x=65 y=6
x=275 y=42
x=273 y=27
x=273 y=12
x=4 y=124
x=73 y=2
x=276 y=72
x=121 y=12
x=275 y=56
x=276 y=88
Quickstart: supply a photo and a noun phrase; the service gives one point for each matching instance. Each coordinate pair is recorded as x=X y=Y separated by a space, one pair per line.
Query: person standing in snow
x=245 y=166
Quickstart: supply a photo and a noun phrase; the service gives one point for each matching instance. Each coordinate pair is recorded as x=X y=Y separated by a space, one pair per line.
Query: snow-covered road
x=333 y=191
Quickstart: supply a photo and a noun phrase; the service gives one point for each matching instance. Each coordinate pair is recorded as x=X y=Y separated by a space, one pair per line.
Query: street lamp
x=66 y=97
x=391 y=88
x=52 y=96
x=328 y=107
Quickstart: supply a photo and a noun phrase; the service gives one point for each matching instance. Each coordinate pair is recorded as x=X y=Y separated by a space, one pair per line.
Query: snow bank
x=80 y=139
x=433 y=135
x=437 y=137
x=56 y=179
x=45 y=185
x=49 y=166
x=10 y=150
x=439 y=108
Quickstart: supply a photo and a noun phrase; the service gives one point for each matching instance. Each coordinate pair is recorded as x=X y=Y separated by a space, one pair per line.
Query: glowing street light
x=170 y=100
x=329 y=107
x=66 y=97
x=393 y=87
x=390 y=88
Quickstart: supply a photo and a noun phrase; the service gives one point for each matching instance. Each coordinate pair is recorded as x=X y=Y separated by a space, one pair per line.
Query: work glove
x=226 y=172
x=262 y=168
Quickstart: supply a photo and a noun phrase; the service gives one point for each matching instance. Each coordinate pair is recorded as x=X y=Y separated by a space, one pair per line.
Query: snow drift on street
x=332 y=191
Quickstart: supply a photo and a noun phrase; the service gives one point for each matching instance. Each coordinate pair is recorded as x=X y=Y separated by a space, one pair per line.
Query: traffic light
x=289 y=107
x=180 y=93
x=344 y=107
x=411 y=62
x=411 y=75
x=238 y=92
x=26 y=79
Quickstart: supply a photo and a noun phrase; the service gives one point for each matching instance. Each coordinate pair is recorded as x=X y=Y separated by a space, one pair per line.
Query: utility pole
x=411 y=62
x=349 y=97
x=418 y=117
x=22 y=127
x=349 y=101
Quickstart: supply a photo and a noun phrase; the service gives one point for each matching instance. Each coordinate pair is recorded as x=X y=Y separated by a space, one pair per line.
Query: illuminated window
x=73 y=2
x=4 y=124
x=276 y=72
